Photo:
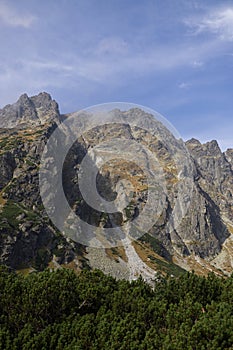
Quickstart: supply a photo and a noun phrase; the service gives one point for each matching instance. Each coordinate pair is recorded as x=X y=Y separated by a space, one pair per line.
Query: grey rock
x=29 y=238
x=30 y=111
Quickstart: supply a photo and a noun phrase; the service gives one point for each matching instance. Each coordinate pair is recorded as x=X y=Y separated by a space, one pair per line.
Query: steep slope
x=27 y=237
x=202 y=241
x=214 y=177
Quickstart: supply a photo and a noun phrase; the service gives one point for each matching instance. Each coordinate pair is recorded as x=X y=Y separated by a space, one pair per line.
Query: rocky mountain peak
x=210 y=148
x=202 y=240
x=213 y=148
x=35 y=110
x=23 y=98
x=193 y=141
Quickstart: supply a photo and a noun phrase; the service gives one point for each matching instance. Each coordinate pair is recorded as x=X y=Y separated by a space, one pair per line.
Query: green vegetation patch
x=63 y=310
x=153 y=242
x=12 y=210
x=167 y=267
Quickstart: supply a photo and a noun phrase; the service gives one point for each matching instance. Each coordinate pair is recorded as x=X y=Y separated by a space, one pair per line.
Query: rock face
x=29 y=239
x=215 y=173
x=34 y=110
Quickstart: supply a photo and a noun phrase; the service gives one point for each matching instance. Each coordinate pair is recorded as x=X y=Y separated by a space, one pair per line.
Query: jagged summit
x=210 y=148
x=193 y=141
x=34 y=110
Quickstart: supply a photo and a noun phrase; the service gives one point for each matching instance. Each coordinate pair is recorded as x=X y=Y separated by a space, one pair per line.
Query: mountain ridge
x=202 y=242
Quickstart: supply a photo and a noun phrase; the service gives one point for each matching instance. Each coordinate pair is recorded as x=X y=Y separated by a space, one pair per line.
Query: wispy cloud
x=197 y=64
x=112 y=45
x=113 y=58
x=217 y=21
x=48 y=65
x=10 y=17
x=184 y=85
x=105 y=66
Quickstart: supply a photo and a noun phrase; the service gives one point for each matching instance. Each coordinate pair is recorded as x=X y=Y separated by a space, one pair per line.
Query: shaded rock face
x=229 y=156
x=7 y=167
x=202 y=230
x=27 y=236
x=214 y=174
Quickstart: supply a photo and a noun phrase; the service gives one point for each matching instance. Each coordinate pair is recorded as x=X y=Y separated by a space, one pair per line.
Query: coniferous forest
x=62 y=310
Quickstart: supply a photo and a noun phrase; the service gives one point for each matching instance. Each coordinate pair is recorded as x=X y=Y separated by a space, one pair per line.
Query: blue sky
x=174 y=56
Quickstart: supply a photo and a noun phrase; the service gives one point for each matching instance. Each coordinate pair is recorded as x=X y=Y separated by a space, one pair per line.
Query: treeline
x=62 y=310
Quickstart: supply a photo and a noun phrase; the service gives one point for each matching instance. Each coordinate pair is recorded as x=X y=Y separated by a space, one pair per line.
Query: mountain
x=35 y=110
x=194 y=224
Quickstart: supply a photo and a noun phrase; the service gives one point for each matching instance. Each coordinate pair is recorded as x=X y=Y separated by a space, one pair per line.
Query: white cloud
x=112 y=45
x=184 y=85
x=218 y=22
x=10 y=17
x=197 y=64
x=102 y=67
x=48 y=65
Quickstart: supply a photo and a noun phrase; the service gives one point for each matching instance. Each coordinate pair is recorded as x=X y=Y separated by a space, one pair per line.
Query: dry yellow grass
x=144 y=251
x=198 y=265
x=114 y=253
x=2 y=200
x=72 y=266
x=230 y=228
x=26 y=271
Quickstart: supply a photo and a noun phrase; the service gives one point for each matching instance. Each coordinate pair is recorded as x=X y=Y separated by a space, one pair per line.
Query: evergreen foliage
x=62 y=310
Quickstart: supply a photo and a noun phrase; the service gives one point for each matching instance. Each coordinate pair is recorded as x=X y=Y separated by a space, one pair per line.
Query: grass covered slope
x=63 y=310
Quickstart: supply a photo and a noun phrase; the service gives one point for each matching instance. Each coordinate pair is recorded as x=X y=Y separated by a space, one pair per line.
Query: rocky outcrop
x=34 y=110
x=7 y=167
x=27 y=237
x=214 y=174
x=229 y=156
